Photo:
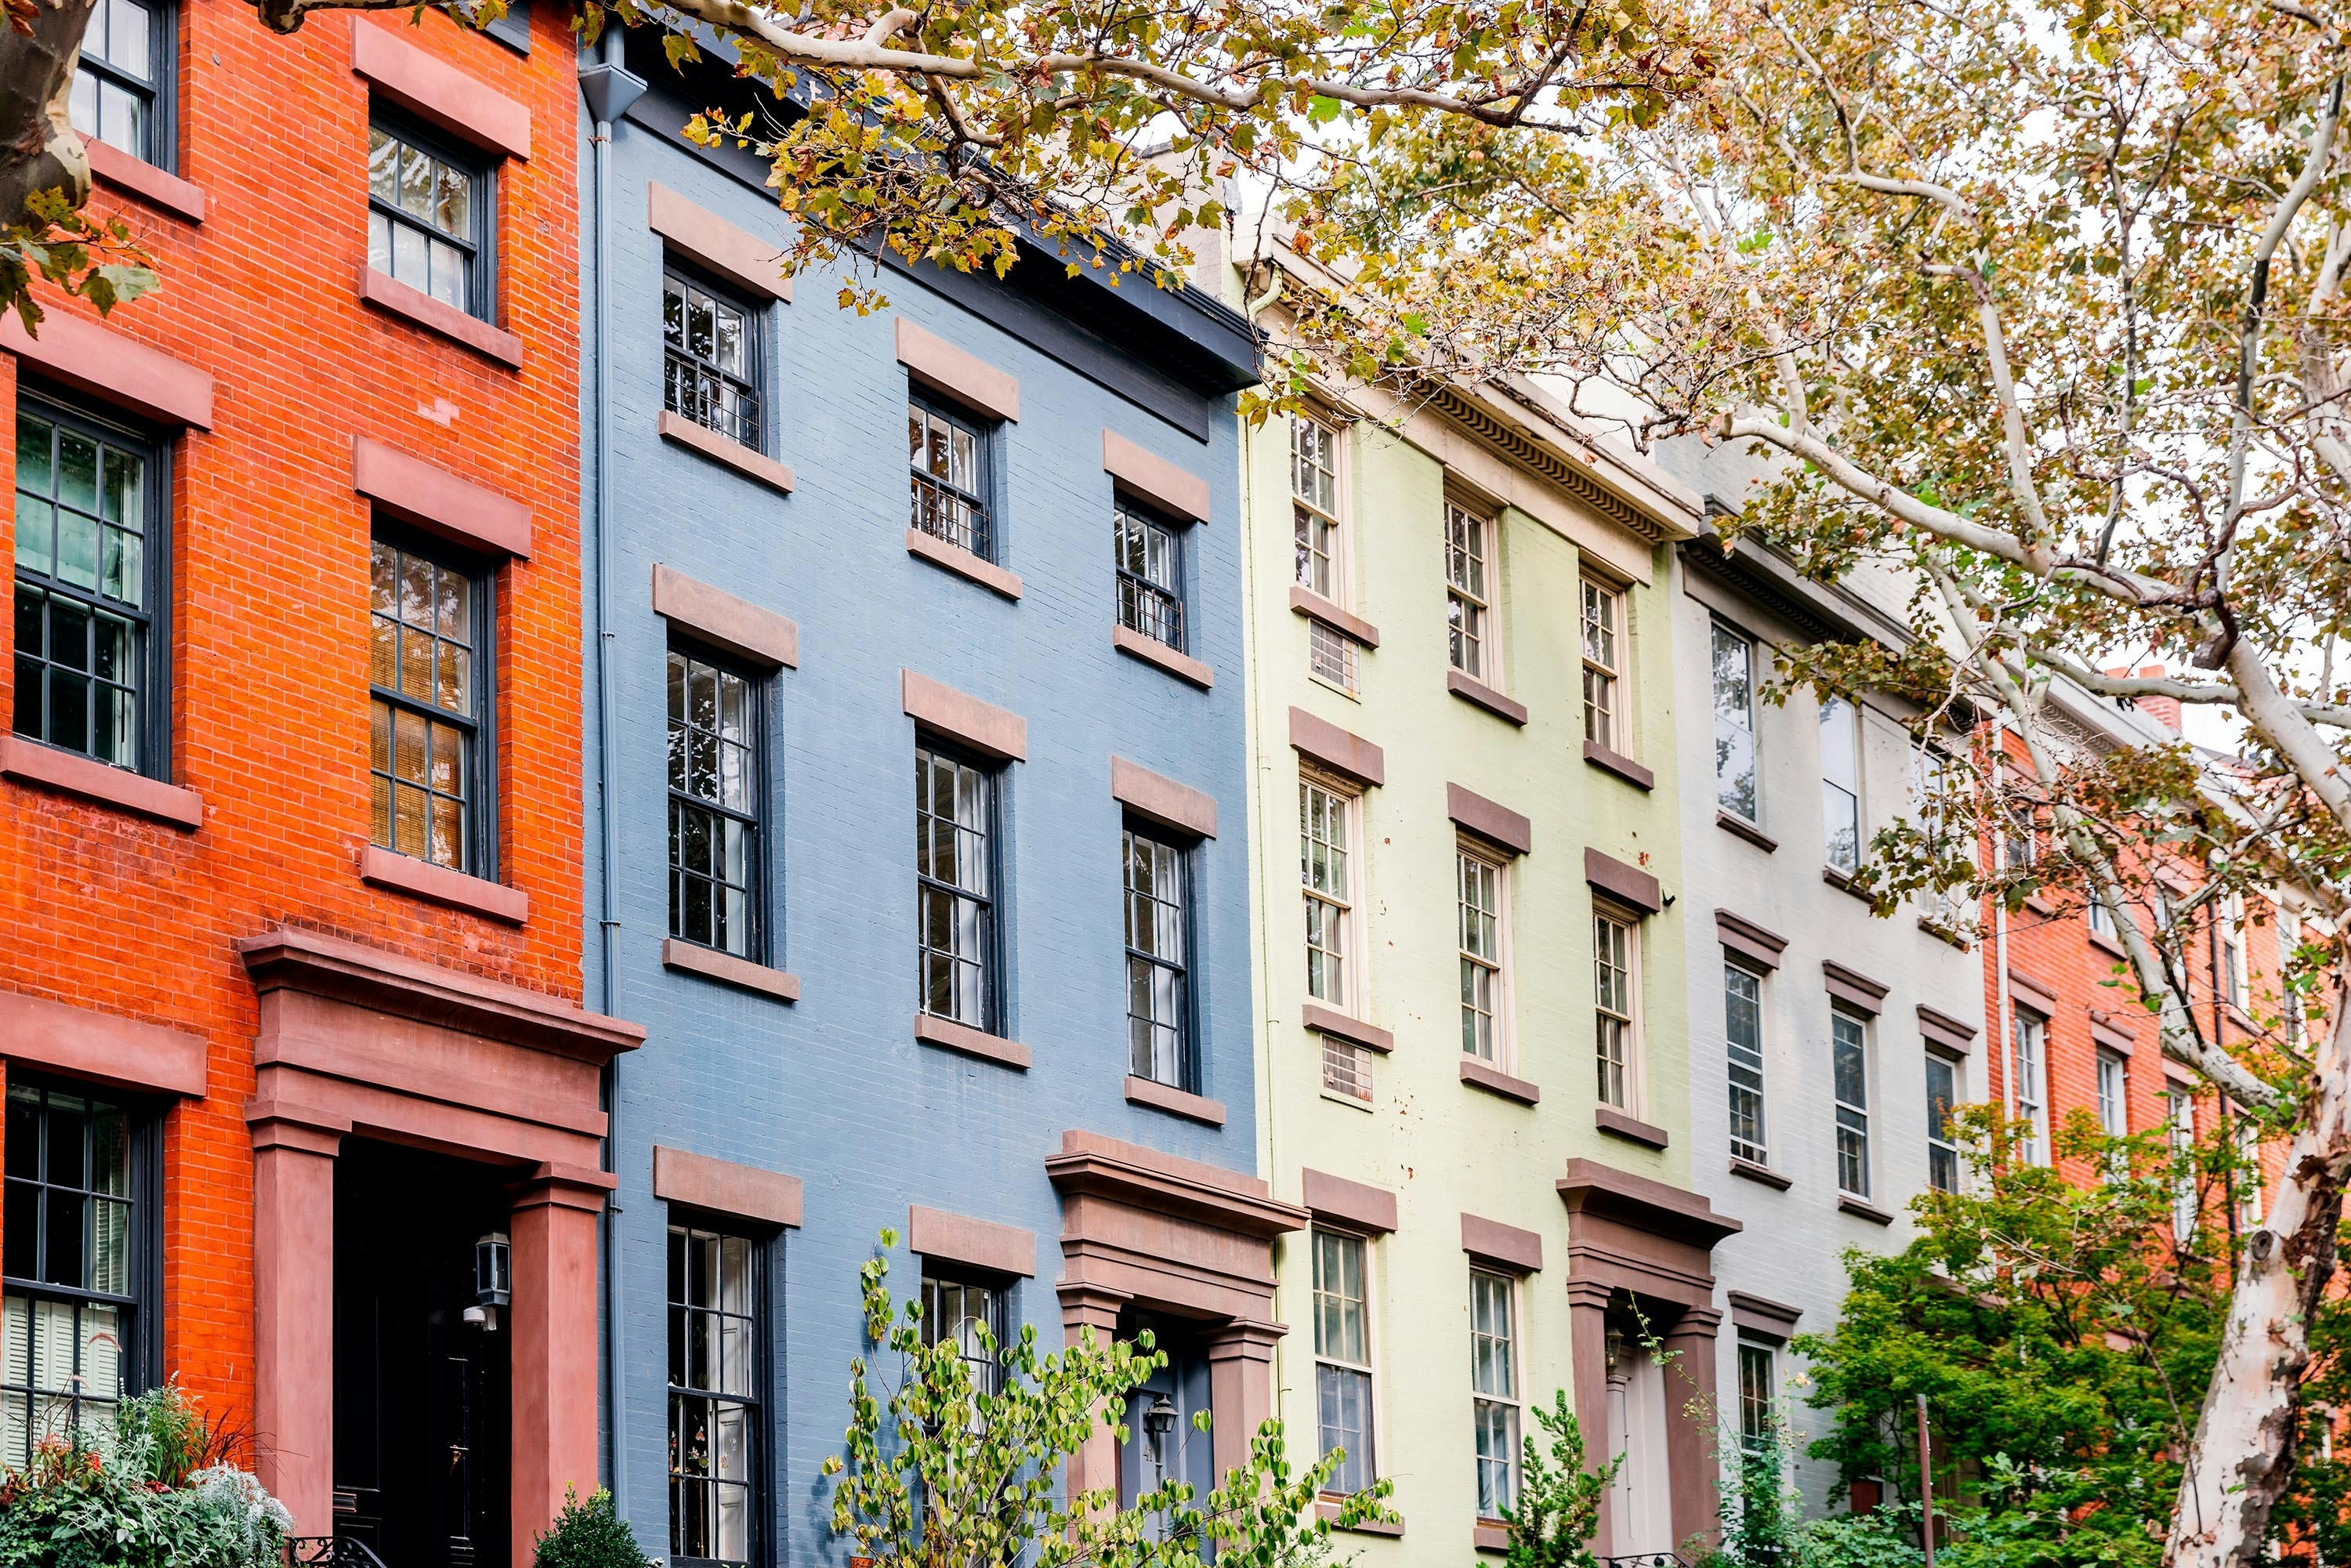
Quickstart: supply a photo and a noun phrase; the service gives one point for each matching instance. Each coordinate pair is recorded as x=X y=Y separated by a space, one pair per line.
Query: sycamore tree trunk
x=40 y=42
x=2243 y=1457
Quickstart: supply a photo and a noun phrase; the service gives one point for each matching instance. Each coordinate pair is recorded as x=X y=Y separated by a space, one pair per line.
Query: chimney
x=2165 y=711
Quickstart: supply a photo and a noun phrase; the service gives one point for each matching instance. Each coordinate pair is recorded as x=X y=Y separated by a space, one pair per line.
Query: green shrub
x=589 y=1536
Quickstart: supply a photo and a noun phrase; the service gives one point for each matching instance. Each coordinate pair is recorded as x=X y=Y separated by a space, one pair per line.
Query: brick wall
x=269 y=600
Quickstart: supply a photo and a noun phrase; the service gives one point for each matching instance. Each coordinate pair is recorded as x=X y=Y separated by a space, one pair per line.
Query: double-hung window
x=78 y=1265
x=1325 y=853
x=2031 y=1085
x=2114 y=1111
x=1478 y=901
x=2231 y=916
x=429 y=666
x=2180 y=1141
x=90 y=577
x=1743 y=1032
x=1603 y=619
x=1149 y=556
x=2245 y=1140
x=2101 y=916
x=715 y=804
x=710 y=359
x=1343 y=1356
x=1158 y=1001
x=1942 y=1149
x=1849 y=1080
x=1841 y=782
x=429 y=215
x=947 y=453
x=955 y=871
x=120 y=87
x=1758 y=1386
x=1734 y=724
x=1494 y=1394
x=1470 y=582
x=969 y=1316
x=715 y=1479
x=1315 y=505
x=1615 y=956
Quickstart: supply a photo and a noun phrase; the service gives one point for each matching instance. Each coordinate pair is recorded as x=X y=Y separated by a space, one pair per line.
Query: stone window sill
x=1174 y=1102
x=2101 y=940
x=962 y=1038
x=1616 y=762
x=1494 y=1080
x=1331 y=1021
x=1314 y=607
x=137 y=177
x=1942 y=933
x=693 y=958
x=1740 y=827
x=963 y=563
x=1490 y=1538
x=1328 y=1506
x=415 y=306
x=1763 y=1174
x=381 y=867
x=754 y=466
x=30 y=762
x=1842 y=881
x=1485 y=697
x=1862 y=1209
x=1151 y=650
x=1609 y=1119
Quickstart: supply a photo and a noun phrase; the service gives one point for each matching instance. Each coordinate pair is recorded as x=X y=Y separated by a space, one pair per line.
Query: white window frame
x=1368 y=1368
x=1604 y=641
x=1841 y=782
x=2101 y=916
x=1747 y=1349
x=1500 y=1037
x=1938 y=1132
x=2178 y=1139
x=1347 y=901
x=1723 y=633
x=1333 y=518
x=1759 y=1151
x=1605 y=914
x=1482 y=599
x=1851 y=1116
x=2114 y=1092
x=2236 y=982
x=1512 y=1403
x=2245 y=1135
x=1333 y=659
x=2029 y=1081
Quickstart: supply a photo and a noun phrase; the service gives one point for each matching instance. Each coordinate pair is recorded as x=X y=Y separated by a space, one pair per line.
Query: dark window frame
x=1002 y=1290
x=765 y=1244
x=483 y=167
x=152 y=656
x=987 y=534
x=759 y=819
x=991 y=954
x=1187 y=1011
x=481 y=756
x=142 y=1306
x=1135 y=589
x=752 y=385
x=160 y=93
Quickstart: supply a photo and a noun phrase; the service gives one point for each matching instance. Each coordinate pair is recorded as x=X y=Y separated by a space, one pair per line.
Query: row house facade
x=305 y=1109
x=1470 y=965
x=920 y=832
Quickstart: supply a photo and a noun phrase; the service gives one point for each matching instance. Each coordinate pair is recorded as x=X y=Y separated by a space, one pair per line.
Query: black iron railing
x=330 y=1551
x=1647 y=1560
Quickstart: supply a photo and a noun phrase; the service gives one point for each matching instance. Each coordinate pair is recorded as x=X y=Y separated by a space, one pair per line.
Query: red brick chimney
x=2165 y=711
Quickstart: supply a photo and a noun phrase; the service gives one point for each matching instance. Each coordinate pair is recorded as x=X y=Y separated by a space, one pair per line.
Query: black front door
x=421 y=1416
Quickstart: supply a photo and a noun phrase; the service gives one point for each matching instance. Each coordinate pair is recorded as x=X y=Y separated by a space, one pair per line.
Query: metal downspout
x=609 y=90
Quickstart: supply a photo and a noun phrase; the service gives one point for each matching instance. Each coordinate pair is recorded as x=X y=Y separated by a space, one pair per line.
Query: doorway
x=420 y=1392
x=1163 y=1444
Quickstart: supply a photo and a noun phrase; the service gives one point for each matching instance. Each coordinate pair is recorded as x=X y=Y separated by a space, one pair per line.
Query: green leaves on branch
x=93 y=257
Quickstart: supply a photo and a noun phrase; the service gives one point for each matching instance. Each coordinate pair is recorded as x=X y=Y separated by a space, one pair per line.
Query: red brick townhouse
x=303 y=1108
x=2067 y=1031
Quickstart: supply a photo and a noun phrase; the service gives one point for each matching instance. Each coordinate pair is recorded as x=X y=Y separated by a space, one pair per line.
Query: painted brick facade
x=267 y=606
x=796 y=1087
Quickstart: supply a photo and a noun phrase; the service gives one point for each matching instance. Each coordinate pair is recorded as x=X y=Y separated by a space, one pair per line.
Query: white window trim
x=1351 y=924
x=1717 y=626
x=2032 y=1108
x=1941 y=1138
x=1342 y=532
x=1621 y=740
x=1506 y=1033
x=1516 y=1298
x=1854 y=791
x=1866 y=1109
x=1637 y=1053
x=1489 y=644
x=1370 y=1367
x=1763 y=1054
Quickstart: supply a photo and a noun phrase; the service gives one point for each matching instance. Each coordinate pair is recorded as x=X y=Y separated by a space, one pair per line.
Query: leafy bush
x=139 y=1494
x=589 y=1536
x=1558 y=1507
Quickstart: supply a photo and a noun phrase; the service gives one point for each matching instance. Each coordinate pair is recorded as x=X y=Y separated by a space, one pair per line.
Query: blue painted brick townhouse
x=920 y=667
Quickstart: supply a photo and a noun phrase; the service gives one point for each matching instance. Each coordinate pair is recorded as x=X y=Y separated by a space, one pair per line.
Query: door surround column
x=293 y=1151
x=553 y=1356
x=1240 y=1389
x=1084 y=1307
